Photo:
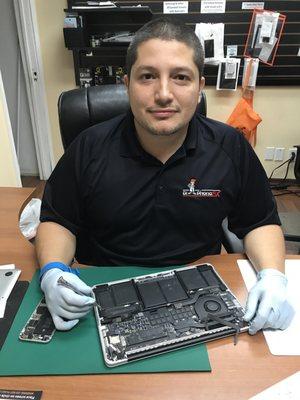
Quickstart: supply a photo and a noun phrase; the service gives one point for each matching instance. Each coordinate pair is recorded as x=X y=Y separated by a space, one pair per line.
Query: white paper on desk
x=3 y=300
x=8 y=266
x=281 y=343
x=287 y=389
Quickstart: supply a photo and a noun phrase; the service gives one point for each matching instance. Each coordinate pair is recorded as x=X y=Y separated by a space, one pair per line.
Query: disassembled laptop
x=164 y=311
x=154 y=313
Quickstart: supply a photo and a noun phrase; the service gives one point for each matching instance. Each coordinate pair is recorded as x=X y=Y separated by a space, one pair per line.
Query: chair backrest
x=78 y=109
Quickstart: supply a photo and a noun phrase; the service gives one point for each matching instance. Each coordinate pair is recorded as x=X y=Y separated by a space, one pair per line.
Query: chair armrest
x=230 y=241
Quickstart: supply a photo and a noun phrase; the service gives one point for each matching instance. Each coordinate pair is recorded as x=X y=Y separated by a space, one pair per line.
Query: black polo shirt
x=127 y=208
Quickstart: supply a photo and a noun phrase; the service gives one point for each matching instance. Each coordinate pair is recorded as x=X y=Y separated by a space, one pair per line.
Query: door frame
x=28 y=34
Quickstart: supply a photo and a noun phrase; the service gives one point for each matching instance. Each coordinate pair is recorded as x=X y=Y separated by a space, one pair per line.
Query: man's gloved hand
x=267 y=306
x=64 y=303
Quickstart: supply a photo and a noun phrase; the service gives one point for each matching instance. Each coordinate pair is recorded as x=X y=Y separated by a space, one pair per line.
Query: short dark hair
x=165 y=28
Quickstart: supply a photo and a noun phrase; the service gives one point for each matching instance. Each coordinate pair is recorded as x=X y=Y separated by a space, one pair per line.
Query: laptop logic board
x=164 y=311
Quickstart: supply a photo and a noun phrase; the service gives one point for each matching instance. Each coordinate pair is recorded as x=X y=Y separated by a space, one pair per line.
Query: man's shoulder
x=216 y=134
x=217 y=131
x=98 y=140
x=99 y=133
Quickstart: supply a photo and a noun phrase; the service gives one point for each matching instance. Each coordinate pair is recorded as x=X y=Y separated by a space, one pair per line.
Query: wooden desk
x=238 y=372
x=14 y=248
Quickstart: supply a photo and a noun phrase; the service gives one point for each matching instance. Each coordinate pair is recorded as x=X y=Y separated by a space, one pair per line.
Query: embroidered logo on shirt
x=196 y=193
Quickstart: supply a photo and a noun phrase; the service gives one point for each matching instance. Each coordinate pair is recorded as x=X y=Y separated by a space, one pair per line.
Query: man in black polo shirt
x=153 y=186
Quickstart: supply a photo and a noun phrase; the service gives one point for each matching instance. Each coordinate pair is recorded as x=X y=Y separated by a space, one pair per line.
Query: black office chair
x=78 y=109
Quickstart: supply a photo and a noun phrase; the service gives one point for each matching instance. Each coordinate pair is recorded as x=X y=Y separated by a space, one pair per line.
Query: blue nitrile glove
x=267 y=305
x=64 y=303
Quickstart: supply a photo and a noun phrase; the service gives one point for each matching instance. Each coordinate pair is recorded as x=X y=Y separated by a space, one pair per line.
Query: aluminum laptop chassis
x=164 y=311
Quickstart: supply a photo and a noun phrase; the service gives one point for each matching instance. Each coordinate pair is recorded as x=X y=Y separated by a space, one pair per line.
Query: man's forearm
x=265 y=247
x=54 y=243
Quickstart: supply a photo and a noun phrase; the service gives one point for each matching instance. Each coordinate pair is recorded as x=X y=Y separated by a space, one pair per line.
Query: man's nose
x=163 y=93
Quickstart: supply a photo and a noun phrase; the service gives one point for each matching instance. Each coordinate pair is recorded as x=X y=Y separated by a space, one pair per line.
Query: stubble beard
x=149 y=128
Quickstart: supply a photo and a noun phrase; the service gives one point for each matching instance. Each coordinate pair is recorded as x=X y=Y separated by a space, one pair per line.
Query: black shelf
x=120 y=9
x=236 y=23
x=99 y=23
x=102 y=48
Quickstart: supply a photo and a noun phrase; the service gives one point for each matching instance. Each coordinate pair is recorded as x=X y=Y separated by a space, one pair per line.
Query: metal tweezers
x=62 y=282
x=226 y=323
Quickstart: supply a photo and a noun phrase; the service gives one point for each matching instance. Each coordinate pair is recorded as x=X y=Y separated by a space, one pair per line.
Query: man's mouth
x=163 y=112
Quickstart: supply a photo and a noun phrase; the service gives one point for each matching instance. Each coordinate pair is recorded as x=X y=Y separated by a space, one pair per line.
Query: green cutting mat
x=78 y=351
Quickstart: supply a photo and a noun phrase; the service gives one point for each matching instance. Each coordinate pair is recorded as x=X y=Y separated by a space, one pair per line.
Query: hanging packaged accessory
x=250 y=65
x=211 y=37
x=228 y=74
x=264 y=35
x=243 y=117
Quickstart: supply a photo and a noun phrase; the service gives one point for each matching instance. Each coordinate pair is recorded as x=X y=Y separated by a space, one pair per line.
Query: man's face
x=164 y=87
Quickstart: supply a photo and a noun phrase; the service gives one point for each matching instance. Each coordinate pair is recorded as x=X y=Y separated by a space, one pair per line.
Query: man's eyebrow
x=180 y=69
x=183 y=69
x=146 y=67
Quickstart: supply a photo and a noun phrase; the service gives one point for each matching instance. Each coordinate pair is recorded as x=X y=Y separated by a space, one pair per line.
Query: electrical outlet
x=290 y=151
x=279 y=152
x=269 y=153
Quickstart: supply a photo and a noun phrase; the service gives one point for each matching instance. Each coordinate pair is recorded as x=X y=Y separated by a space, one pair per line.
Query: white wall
x=14 y=84
x=279 y=108
x=9 y=168
x=57 y=61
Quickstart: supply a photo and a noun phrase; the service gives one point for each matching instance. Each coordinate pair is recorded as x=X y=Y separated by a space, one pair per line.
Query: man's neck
x=161 y=147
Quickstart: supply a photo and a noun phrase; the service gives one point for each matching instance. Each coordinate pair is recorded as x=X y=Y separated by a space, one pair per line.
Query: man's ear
x=126 y=81
x=201 y=83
